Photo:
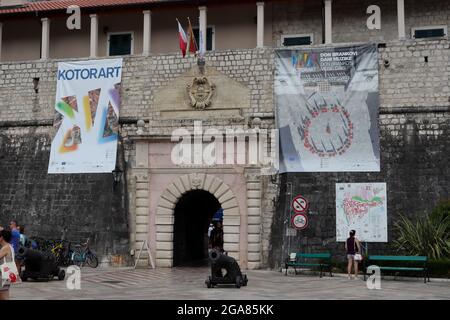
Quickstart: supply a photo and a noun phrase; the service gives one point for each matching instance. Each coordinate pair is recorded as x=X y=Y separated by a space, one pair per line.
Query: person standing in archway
x=216 y=238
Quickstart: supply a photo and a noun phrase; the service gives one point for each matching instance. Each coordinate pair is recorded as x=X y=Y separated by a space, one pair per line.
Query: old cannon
x=224 y=270
x=39 y=265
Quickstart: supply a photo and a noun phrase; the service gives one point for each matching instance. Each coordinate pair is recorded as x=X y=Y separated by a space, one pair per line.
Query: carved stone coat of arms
x=200 y=93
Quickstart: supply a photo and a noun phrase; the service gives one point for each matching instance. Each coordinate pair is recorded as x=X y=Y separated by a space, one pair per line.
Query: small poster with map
x=361 y=207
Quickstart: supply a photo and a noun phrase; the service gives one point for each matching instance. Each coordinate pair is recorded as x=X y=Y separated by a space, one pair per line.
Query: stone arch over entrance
x=193 y=214
x=165 y=217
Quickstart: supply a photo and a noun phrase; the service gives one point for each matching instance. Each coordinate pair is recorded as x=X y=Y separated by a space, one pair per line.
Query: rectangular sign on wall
x=361 y=207
x=87 y=117
x=327 y=107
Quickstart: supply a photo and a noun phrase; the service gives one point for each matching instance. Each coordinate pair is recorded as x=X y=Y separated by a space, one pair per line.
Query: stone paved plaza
x=188 y=283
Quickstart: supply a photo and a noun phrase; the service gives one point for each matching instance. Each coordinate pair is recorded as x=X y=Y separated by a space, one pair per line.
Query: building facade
x=163 y=203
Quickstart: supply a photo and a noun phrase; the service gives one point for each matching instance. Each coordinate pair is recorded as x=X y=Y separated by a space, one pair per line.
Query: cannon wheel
x=208 y=282
x=23 y=276
x=244 y=283
x=238 y=282
x=61 y=275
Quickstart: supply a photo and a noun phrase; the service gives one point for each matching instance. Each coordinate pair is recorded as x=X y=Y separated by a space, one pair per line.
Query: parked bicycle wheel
x=77 y=259
x=91 y=260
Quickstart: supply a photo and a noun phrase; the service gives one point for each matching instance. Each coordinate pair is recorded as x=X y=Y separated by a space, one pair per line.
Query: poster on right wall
x=361 y=207
x=327 y=105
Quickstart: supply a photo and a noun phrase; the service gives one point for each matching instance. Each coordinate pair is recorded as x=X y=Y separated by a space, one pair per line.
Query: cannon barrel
x=36 y=261
x=221 y=261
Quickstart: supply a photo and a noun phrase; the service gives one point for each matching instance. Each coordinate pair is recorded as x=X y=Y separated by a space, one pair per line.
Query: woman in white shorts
x=5 y=256
x=352 y=247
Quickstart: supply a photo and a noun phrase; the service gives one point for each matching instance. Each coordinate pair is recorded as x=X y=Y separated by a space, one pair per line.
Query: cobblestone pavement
x=189 y=283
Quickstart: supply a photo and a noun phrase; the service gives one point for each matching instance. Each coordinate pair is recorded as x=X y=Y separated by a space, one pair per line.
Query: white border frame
x=213 y=35
x=284 y=36
x=413 y=30
x=109 y=34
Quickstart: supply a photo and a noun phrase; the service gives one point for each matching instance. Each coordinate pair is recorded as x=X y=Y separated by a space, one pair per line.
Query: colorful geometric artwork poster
x=361 y=207
x=327 y=106
x=87 y=116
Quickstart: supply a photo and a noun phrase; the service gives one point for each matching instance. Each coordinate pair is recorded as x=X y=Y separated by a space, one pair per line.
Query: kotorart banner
x=87 y=116
x=327 y=109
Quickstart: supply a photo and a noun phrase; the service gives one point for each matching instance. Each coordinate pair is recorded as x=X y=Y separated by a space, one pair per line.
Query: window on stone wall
x=429 y=32
x=210 y=38
x=120 y=43
x=296 y=40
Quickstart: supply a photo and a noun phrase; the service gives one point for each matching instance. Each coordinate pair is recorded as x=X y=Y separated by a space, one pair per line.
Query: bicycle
x=62 y=253
x=60 y=249
x=84 y=255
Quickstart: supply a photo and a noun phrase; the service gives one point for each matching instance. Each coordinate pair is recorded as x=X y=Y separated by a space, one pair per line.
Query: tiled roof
x=57 y=5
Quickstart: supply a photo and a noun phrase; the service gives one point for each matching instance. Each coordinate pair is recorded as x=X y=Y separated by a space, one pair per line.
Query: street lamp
x=117 y=176
x=36 y=84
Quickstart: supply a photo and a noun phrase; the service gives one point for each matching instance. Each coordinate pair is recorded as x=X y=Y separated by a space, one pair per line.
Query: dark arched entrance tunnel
x=193 y=214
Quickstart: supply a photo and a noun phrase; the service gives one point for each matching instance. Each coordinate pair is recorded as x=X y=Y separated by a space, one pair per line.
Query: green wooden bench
x=422 y=260
x=303 y=260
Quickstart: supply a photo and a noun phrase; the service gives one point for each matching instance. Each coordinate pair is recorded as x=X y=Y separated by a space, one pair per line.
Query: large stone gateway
x=165 y=190
x=414 y=134
x=140 y=207
x=170 y=189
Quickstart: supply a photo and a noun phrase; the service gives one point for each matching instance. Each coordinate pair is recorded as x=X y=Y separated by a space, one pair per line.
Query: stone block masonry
x=86 y=204
x=414 y=122
x=414 y=164
x=415 y=74
x=415 y=139
x=141 y=78
x=44 y=204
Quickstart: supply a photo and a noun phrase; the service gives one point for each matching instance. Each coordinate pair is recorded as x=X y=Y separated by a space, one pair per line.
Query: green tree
x=441 y=213
x=427 y=236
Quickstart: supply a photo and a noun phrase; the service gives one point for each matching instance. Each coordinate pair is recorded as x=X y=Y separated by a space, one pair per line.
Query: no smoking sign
x=300 y=204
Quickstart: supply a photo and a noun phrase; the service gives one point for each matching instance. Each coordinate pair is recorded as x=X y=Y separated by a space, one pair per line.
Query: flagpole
x=189 y=37
x=192 y=38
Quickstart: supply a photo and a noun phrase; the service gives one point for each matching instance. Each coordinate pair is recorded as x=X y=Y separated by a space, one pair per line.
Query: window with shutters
x=120 y=43
x=429 y=32
x=210 y=38
x=289 y=40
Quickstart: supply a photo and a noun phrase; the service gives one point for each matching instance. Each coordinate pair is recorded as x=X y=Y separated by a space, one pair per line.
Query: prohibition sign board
x=300 y=221
x=300 y=204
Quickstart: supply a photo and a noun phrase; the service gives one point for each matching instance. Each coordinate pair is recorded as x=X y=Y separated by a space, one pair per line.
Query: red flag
x=192 y=44
x=183 y=39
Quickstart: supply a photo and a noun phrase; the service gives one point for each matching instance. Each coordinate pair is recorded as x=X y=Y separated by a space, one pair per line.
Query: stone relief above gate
x=202 y=95
x=201 y=92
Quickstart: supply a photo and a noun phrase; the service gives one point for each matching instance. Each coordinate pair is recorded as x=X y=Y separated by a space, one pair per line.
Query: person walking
x=15 y=235
x=353 y=248
x=23 y=241
x=15 y=240
x=210 y=229
x=6 y=255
